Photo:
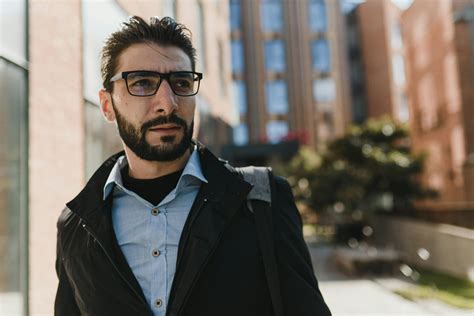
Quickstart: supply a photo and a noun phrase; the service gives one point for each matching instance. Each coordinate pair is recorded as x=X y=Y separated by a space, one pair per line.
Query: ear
x=106 y=105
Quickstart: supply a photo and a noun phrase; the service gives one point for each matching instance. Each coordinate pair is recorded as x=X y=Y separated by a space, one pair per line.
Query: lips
x=165 y=127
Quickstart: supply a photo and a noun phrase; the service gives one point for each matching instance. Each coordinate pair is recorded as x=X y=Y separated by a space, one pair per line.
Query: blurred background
x=367 y=107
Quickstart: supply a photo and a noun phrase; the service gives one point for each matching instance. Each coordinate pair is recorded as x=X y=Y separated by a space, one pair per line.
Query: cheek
x=187 y=111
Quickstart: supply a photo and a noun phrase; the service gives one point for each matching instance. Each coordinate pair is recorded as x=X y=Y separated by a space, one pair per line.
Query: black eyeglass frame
x=165 y=76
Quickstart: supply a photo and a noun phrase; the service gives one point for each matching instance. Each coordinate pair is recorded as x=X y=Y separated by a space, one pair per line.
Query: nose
x=164 y=101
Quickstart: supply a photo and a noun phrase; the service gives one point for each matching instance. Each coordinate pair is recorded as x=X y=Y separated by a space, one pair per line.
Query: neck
x=144 y=169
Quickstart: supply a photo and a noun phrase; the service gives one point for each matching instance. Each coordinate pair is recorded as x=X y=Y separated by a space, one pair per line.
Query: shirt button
x=155 y=253
x=158 y=303
x=155 y=211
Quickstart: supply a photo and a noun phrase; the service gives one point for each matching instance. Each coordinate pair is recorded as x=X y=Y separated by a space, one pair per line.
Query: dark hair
x=165 y=31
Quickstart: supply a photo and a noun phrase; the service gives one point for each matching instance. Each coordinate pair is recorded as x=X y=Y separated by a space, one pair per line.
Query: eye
x=143 y=83
x=182 y=83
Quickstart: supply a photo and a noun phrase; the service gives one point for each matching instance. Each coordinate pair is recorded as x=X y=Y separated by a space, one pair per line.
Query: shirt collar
x=192 y=168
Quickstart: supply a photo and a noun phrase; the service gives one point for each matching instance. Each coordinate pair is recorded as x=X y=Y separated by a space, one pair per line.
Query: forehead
x=148 y=56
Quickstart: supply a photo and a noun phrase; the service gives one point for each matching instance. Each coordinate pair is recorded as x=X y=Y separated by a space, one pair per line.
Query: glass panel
x=317 y=16
x=235 y=15
x=102 y=138
x=277 y=97
x=324 y=90
x=240 y=97
x=13 y=28
x=274 y=55
x=241 y=134
x=13 y=190
x=398 y=68
x=403 y=109
x=201 y=48
x=396 y=38
x=96 y=30
x=276 y=131
x=237 y=56
x=321 y=55
x=169 y=8
x=358 y=109
x=271 y=15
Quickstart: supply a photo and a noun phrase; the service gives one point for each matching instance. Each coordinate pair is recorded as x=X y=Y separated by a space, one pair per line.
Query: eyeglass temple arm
x=116 y=77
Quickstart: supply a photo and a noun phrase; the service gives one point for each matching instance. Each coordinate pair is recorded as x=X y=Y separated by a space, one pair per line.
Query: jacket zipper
x=113 y=264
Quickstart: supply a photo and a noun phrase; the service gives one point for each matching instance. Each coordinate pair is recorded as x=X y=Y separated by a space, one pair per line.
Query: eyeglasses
x=144 y=83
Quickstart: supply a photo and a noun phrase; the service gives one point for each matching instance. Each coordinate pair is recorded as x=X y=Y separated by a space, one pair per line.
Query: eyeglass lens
x=147 y=83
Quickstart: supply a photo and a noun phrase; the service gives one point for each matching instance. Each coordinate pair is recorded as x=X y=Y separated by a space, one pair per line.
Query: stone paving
x=349 y=296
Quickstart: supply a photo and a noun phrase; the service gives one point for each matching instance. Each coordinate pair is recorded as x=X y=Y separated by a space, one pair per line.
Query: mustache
x=160 y=120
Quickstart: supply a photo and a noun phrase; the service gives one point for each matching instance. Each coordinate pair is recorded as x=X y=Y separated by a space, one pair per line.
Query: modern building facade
x=439 y=43
x=52 y=133
x=288 y=70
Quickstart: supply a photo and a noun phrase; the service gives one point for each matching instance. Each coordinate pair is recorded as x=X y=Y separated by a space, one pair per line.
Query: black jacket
x=219 y=268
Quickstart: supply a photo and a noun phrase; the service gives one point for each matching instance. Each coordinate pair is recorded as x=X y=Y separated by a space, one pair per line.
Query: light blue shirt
x=149 y=234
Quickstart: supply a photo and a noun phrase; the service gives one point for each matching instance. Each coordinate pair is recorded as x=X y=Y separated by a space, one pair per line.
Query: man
x=163 y=228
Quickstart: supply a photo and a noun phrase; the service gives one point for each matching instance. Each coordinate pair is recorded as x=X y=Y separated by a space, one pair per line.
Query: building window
x=240 y=97
x=271 y=15
x=201 y=49
x=95 y=33
x=396 y=37
x=358 y=109
x=317 y=16
x=13 y=29
x=241 y=134
x=169 y=8
x=274 y=55
x=403 y=109
x=237 y=56
x=13 y=188
x=13 y=159
x=398 y=69
x=324 y=90
x=276 y=131
x=321 y=55
x=101 y=138
x=277 y=97
x=222 y=79
x=235 y=15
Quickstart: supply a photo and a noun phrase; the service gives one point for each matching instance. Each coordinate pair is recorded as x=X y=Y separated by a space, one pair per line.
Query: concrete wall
x=450 y=247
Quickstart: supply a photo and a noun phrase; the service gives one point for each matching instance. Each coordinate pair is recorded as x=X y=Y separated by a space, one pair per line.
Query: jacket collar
x=222 y=183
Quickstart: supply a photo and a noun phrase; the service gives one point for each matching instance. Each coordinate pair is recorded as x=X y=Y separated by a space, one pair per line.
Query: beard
x=168 y=150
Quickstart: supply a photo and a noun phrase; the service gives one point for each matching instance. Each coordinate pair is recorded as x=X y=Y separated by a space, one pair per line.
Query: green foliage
x=368 y=169
x=454 y=291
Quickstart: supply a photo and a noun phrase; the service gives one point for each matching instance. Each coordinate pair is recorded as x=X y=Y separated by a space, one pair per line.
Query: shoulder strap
x=259 y=202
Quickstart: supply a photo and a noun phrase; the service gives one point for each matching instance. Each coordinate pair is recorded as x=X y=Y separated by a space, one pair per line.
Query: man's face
x=157 y=127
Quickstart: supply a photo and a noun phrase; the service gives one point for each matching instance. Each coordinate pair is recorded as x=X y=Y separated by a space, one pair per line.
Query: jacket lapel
x=96 y=220
x=215 y=206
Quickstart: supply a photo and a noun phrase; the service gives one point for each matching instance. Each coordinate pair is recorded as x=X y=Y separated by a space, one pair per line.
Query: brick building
x=377 y=63
x=288 y=66
x=52 y=135
x=439 y=43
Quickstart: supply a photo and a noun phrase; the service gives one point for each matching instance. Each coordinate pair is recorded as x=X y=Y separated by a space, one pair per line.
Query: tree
x=370 y=168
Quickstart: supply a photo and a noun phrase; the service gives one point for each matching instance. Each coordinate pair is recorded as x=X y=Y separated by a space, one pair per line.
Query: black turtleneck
x=152 y=190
